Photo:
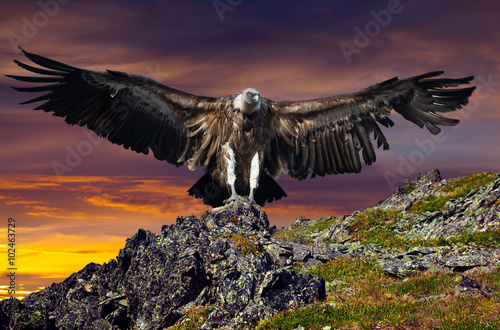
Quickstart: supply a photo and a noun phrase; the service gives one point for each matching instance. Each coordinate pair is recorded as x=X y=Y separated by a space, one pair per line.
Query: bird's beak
x=256 y=98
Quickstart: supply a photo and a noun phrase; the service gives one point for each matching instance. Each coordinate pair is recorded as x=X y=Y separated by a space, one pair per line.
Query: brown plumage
x=242 y=141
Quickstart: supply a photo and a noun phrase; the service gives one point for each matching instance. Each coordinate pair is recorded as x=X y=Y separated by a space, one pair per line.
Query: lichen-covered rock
x=157 y=278
x=403 y=197
x=471 y=289
x=477 y=211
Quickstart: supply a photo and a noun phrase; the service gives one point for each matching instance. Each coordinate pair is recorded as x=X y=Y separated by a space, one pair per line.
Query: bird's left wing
x=324 y=135
x=128 y=109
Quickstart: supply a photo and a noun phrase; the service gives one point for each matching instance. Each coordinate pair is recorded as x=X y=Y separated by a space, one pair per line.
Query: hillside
x=427 y=256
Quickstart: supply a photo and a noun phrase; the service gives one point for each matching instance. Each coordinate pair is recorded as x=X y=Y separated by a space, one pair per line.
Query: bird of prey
x=243 y=141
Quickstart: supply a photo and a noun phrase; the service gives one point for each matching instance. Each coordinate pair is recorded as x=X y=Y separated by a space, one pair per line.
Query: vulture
x=242 y=141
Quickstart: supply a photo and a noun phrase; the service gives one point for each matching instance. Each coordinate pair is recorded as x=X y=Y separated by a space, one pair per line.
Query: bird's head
x=250 y=101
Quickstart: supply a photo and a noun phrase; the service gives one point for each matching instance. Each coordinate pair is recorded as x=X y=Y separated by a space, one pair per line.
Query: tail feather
x=209 y=190
x=215 y=195
x=268 y=190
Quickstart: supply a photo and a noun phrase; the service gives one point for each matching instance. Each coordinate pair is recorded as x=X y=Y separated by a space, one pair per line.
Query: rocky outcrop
x=229 y=263
x=477 y=211
x=225 y=259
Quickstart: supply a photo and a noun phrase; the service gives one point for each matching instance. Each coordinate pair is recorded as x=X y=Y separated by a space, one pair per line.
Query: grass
x=410 y=187
x=430 y=203
x=489 y=238
x=375 y=226
x=194 y=319
x=381 y=302
x=296 y=235
x=301 y=234
x=456 y=188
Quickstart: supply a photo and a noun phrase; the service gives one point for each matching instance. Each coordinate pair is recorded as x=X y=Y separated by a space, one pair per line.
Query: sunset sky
x=285 y=49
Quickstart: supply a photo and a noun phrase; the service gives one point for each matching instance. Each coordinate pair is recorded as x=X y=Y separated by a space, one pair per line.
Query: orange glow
x=62 y=226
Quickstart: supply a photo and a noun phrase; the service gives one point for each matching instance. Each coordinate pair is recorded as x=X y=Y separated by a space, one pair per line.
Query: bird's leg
x=231 y=176
x=234 y=195
x=254 y=177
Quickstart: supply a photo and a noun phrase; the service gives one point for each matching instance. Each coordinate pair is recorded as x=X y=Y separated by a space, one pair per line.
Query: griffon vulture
x=245 y=140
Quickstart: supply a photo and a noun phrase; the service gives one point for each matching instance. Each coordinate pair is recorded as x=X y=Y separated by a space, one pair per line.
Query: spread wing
x=129 y=109
x=324 y=135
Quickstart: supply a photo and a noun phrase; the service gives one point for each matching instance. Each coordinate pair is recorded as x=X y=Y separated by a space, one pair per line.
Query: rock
x=300 y=221
x=197 y=262
x=324 y=252
x=301 y=253
x=398 y=270
x=470 y=289
x=404 y=197
x=309 y=264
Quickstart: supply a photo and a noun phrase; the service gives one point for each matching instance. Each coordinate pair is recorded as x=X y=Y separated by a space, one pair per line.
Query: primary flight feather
x=243 y=141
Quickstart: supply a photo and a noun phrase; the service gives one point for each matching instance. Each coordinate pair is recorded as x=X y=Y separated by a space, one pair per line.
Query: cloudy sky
x=286 y=49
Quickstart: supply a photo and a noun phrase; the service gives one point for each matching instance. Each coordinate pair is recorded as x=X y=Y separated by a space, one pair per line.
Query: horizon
x=77 y=197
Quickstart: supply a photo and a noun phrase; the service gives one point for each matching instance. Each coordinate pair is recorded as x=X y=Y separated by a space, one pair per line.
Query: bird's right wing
x=129 y=109
x=323 y=136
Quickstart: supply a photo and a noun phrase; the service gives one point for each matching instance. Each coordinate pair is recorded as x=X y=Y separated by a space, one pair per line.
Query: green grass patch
x=430 y=203
x=489 y=238
x=322 y=225
x=375 y=226
x=456 y=188
x=462 y=186
x=350 y=270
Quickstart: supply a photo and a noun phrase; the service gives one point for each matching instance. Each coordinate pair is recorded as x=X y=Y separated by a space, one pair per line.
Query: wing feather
x=128 y=109
x=325 y=135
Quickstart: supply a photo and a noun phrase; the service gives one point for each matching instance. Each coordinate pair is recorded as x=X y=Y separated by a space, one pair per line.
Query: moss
x=245 y=245
x=36 y=318
x=297 y=267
